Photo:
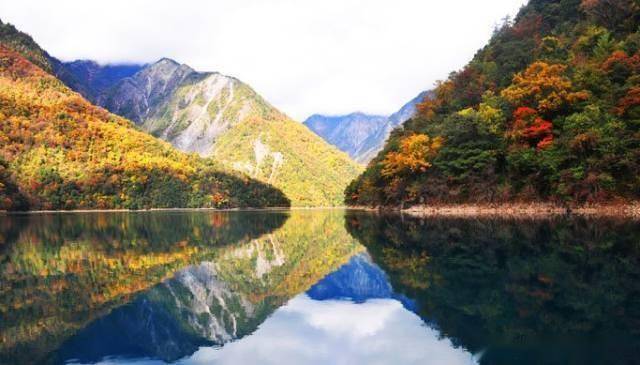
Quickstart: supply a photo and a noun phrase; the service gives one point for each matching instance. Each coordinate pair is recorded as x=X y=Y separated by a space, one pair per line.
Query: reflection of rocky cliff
x=522 y=292
x=223 y=296
x=169 y=321
x=60 y=271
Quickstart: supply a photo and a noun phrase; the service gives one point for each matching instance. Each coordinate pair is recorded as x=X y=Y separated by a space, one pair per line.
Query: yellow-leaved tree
x=544 y=87
x=414 y=155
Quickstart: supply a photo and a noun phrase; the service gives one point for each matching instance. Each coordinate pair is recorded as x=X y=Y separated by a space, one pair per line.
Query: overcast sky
x=305 y=57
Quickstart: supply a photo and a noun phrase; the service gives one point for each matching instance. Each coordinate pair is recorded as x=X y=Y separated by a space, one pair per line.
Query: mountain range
x=361 y=135
x=215 y=116
x=60 y=152
x=220 y=117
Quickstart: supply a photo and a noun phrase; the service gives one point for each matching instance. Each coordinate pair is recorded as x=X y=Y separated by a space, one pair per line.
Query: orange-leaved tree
x=414 y=155
x=543 y=87
x=442 y=93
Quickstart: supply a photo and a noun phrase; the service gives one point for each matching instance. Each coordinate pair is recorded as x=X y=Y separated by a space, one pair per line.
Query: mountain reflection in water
x=316 y=287
x=360 y=323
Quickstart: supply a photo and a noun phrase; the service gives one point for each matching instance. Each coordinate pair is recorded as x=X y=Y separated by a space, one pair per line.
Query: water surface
x=316 y=287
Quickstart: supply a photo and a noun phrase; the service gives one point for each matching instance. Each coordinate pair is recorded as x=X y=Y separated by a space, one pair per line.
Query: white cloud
x=325 y=56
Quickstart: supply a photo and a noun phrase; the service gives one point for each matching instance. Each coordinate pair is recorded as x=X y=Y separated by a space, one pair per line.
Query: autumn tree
x=531 y=129
x=432 y=103
x=543 y=87
x=620 y=66
x=414 y=155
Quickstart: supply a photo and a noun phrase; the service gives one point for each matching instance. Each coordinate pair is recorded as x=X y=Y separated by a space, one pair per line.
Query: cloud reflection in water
x=307 y=331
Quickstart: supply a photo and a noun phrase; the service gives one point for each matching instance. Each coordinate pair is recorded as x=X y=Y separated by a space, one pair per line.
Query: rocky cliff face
x=190 y=109
x=361 y=135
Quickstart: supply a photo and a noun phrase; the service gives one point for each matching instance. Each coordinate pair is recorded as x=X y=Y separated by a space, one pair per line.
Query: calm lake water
x=316 y=287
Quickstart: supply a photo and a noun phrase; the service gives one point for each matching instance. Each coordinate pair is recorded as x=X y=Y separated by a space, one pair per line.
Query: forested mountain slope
x=57 y=151
x=86 y=77
x=549 y=110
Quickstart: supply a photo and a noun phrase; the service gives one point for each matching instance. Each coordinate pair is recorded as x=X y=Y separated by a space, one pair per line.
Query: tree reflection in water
x=562 y=291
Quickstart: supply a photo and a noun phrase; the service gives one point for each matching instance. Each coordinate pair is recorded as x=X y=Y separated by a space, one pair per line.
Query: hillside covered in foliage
x=227 y=123
x=57 y=151
x=548 y=110
x=223 y=118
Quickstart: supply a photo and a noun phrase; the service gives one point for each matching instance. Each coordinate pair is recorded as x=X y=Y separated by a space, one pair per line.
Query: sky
x=305 y=57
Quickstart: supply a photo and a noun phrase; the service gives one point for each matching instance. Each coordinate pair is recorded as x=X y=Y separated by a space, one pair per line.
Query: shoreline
x=244 y=209
x=519 y=210
x=538 y=210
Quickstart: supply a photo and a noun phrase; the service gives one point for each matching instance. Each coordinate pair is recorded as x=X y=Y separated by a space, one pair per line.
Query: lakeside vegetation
x=548 y=111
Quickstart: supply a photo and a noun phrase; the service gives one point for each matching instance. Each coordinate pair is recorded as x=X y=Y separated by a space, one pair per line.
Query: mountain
x=22 y=43
x=359 y=280
x=187 y=108
x=361 y=135
x=219 y=116
x=548 y=110
x=92 y=78
x=374 y=143
x=347 y=132
x=60 y=152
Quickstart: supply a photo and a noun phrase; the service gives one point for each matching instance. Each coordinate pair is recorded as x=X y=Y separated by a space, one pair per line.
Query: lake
x=317 y=287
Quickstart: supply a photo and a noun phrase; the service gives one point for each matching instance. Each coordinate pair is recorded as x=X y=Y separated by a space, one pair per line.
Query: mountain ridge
x=94 y=77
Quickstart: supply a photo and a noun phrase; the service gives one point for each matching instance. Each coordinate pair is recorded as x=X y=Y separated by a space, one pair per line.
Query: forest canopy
x=548 y=110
